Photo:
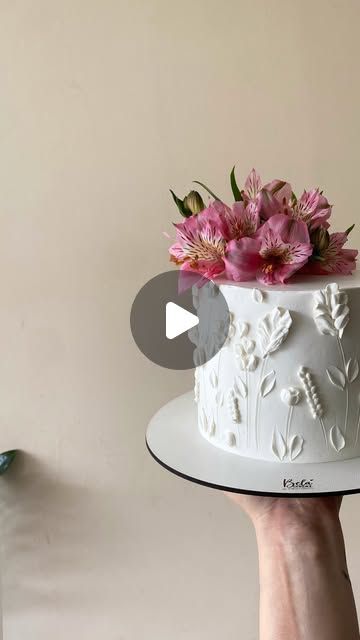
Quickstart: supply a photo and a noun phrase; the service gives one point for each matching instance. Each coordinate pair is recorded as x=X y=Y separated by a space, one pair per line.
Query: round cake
x=285 y=387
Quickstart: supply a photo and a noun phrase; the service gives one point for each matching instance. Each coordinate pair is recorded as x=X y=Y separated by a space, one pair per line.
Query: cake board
x=175 y=442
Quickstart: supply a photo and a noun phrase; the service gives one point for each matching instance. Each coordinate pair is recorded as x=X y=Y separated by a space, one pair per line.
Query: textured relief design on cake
x=213 y=379
x=343 y=378
x=311 y=393
x=331 y=311
x=244 y=349
x=209 y=338
x=267 y=383
x=219 y=398
x=272 y=330
x=283 y=446
x=233 y=406
x=356 y=434
x=204 y=421
x=247 y=361
x=278 y=445
x=197 y=385
x=230 y=439
x=241 y=387
x=332 y=314
x=336 y=438
x=215 y=398
x=257 y=295
x=232 y=328
x=312 y=397
x=265 y=414
x=212 y=430
x=290 y=396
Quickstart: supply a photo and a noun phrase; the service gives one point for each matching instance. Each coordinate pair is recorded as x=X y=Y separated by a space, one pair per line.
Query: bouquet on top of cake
x=268 y=234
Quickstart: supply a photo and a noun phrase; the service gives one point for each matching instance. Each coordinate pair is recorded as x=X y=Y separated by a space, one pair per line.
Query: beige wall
x=104 y=104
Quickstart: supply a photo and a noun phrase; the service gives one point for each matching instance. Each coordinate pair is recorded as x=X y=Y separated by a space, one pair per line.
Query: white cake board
x=175 y=442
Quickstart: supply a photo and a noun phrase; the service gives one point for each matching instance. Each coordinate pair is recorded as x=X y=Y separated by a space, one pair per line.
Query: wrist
x=296 y=522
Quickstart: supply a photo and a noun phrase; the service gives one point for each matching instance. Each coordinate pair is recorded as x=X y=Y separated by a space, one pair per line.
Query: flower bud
x=320 y=239
x=290 y=396
x=194 y=202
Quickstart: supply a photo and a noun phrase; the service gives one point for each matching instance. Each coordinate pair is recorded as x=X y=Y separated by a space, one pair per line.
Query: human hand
x=305 y=589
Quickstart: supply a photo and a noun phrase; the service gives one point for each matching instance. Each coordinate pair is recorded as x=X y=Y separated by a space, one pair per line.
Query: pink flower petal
x=201 y=238
x=313 y=209
x=281 y=190
x=334 y=259
x=241 y=220
x=280 y=275
x=288 y=229
x=252 y=185
x=242 y=259
x=268 y=205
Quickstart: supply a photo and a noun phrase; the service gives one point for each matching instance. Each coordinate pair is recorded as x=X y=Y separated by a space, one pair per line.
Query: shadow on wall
x=49 y=536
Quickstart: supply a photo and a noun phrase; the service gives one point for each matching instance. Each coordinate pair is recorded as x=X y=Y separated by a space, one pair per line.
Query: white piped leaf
x=278 y=445
x=352 y=369
x=257 y=295
x=337 y=439
x=273 y=329
x=243 y=329
x=212 y=428
x=241 y=387
x=267 y=383
x=231 y=331
x=219 y=398
x=296 y=446
x=336 y=377
x=230 y=439
x=213 y=379
x=205 y=424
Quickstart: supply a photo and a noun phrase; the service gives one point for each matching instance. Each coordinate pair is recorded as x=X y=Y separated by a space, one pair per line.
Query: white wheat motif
x=331 y=311
x=233 y=406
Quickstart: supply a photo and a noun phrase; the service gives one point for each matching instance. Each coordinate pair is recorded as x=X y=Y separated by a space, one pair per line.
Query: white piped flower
x=290 y=396
x=244 y=351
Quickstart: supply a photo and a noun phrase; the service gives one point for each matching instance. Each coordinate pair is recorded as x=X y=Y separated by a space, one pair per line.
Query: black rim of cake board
x=248 y=492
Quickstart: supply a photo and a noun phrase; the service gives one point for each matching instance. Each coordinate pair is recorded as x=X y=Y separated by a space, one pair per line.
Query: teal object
x=6 y=460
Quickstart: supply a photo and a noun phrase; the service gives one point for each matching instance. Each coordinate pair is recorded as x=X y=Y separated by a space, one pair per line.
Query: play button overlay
x=179 y=320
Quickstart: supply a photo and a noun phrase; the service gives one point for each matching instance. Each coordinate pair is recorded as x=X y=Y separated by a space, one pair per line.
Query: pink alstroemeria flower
x=275 y=198
x=252 y=186
x=279 y=249
x=334 y=259
x=268 y=200
x=201 y=241
x=241 y=220
x=313 y=209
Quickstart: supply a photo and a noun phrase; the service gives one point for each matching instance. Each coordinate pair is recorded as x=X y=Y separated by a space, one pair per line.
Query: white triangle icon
x=178 y=320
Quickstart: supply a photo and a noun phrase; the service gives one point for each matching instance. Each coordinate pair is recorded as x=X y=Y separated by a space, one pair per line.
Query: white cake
x=286 y=384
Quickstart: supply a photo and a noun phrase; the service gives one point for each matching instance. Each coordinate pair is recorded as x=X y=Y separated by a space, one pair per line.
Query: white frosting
x=286 y=384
